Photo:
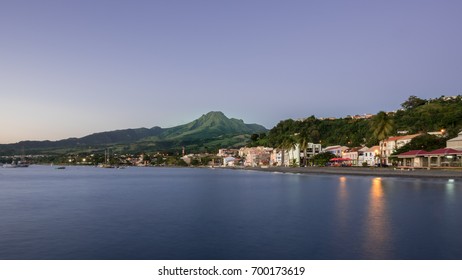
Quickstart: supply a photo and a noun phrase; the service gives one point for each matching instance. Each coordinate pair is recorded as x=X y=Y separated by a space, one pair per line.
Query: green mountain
x=210 y=131
x=212 y=124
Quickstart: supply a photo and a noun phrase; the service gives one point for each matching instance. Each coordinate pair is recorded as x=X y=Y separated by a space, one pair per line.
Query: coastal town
x=449 y=157
x=403 y=139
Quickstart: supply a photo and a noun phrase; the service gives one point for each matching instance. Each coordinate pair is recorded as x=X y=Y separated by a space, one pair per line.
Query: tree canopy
x=417 y=115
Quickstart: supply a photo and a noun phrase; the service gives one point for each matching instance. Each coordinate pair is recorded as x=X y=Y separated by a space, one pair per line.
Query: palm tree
x=286 y=143
x=303 y=142
x=292 y=143
x=382 y=126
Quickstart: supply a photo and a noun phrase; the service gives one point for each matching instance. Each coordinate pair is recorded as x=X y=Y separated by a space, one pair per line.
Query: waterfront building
x=292 y=157
x=230 y=161
x=371 y=156
x=337 y=150
x=256 y=156
x=228 y=152
x=312 y=150
x=413 y=159
x=451 y=156
x=445 y=157
x=356 y=155
x=455 y=143
x=391 y=144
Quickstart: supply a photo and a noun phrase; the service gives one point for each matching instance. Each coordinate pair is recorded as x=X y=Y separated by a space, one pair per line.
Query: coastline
x=360 y=171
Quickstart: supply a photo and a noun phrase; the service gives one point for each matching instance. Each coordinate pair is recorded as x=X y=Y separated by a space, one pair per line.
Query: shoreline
x=360 y=171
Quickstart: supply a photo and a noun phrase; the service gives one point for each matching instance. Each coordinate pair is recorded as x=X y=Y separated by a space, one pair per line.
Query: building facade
x=391 y=144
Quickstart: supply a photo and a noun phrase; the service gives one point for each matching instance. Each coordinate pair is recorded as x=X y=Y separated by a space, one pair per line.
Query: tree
x=287 y=142
x=413 y=102
x=322 y=159
x=303 y=142
x=381 y=126
x=423 y=142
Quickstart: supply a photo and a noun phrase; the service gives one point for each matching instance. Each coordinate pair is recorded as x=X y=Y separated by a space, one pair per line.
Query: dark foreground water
x=161 y=213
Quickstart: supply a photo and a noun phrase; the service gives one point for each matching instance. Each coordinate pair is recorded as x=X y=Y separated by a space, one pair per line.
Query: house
x=311 y=150
x=293 y=156
x=455 y=143
x=283 y=157
x=413 y=158
x=440 y=133
x=445 y=157
x=227 y=152
x=256 y=156
x=230 y=161
x=352 y=154
x=371 y=156
x=336 y=150
x=355 y=155
x=391 y=144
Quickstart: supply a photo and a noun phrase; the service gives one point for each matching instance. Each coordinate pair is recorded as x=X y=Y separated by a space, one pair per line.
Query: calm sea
x=169 y=213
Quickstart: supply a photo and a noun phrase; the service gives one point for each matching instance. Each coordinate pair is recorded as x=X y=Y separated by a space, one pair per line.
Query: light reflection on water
x=144 y=213
x=377 y=228
x=342 y=207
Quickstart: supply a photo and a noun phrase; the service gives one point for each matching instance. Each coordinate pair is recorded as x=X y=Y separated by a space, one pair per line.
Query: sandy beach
x=367 y=171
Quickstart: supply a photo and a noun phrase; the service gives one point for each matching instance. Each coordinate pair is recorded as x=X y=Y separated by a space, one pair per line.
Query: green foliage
x=382 y=126
x=423 y=142
x=419 y=115
x=215 y=130
x=321 y=159
x=413 y=102
x=206 y=134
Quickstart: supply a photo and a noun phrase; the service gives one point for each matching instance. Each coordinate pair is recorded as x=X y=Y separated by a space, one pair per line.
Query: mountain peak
x=215 y=114
x=212 y=125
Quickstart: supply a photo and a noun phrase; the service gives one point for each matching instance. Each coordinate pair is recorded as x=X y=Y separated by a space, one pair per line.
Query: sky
x=72 y=68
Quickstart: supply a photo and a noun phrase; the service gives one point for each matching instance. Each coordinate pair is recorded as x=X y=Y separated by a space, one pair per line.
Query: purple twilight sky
x=71 y=68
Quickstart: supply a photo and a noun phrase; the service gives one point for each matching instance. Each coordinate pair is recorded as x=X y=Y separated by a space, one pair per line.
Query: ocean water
x=181 y=213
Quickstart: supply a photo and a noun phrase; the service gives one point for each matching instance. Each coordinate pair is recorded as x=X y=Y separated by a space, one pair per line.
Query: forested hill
x=415 y=115
x=209 y=131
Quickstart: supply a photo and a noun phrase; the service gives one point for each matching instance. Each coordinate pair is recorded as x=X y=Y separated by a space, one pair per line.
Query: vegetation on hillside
x=416 y=115
x=208 y=133
x=214 y=130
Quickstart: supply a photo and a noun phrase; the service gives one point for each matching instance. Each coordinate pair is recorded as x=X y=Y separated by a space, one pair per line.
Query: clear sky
x=71 y=68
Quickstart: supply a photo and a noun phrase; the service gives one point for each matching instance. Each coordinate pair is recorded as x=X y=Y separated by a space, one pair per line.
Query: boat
x=106 y=163
x=22 y=164
x=60 y=167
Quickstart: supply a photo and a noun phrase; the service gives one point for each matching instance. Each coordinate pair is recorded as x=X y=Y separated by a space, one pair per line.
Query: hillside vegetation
x=207 y=133
x=416 y=115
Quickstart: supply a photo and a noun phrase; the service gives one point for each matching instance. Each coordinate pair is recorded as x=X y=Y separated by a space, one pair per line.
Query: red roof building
x=445 y=157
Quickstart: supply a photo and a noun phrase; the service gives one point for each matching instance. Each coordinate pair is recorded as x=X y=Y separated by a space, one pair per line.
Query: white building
x=230 y=161
x=455 y=143
x=336 y=150
x=391 y=144
x=370 y=156
x=356 y=155
x=293 y=156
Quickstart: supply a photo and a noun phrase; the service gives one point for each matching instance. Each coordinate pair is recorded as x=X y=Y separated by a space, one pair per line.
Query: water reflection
x=450 y=188
x=342 y=205
x=377 y=229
